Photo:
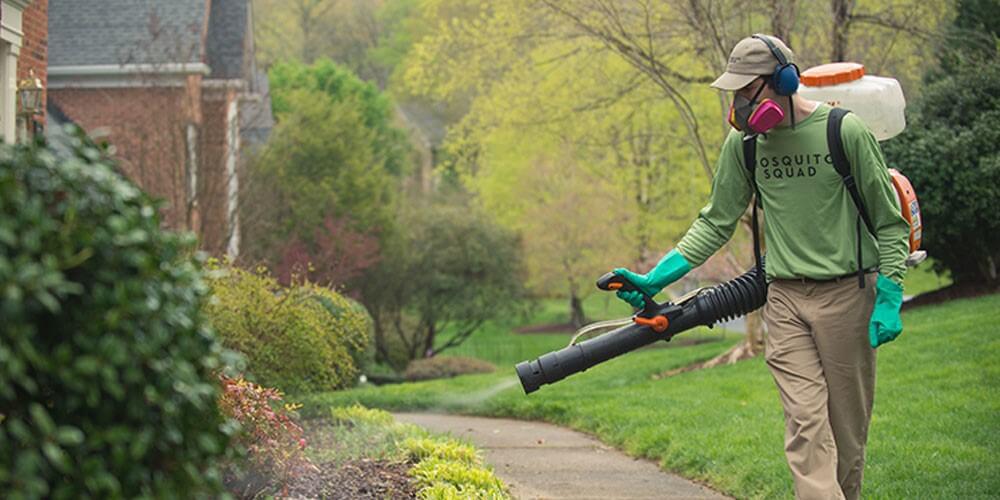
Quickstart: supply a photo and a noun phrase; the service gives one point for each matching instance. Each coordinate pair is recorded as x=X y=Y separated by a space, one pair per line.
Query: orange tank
x=910 y=207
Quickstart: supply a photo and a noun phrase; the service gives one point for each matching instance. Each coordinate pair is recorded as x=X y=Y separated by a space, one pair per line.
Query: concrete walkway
x=539 y=460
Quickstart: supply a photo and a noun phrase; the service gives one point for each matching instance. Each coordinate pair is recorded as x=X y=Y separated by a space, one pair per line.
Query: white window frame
x=11 y=39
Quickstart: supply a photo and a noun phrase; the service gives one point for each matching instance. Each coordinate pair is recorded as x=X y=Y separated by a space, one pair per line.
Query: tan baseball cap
x=750 y=59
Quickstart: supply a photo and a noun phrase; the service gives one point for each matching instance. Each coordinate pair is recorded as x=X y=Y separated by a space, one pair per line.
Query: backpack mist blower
x=705 y=306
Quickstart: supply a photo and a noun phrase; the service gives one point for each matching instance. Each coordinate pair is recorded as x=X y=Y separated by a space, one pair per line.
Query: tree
x=369 y=37
x=950 y=150
x=389 y=143
x=623 y=83
x=452 y=270
x=302 y=28
x=322 y=159
x=324 y=186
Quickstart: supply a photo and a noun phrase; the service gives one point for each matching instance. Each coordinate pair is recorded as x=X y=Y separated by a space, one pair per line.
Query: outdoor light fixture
x=29 y=93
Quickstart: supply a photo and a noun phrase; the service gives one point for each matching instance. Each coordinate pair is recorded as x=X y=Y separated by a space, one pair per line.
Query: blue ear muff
x=785 y=80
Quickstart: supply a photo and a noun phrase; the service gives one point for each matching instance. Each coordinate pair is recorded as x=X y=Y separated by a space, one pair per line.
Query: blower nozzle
x=708 y=306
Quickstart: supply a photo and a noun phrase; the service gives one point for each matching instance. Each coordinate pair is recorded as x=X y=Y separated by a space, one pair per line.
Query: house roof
x=119 y=32
x=116 y=32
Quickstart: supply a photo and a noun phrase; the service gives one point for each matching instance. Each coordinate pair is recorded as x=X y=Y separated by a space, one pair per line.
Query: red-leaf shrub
x=337 y=254
x=273 y=443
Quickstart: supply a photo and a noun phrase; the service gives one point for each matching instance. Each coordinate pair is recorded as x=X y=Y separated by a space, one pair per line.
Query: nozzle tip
x=530 y=375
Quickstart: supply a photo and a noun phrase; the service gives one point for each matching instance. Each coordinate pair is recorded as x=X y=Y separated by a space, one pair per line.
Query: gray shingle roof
x=104 y=32
x=228 y=30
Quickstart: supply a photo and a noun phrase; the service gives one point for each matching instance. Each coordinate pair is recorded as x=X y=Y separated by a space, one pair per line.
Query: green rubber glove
x=885 y=324
x=671 y=268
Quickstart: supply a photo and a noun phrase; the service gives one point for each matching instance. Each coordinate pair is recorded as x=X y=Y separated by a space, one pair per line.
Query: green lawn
x=935 y=433
x=921 y=279
x=495 y=341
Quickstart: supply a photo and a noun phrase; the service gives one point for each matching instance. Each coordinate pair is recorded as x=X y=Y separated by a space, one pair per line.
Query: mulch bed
x=950 y=293
x=359 y=479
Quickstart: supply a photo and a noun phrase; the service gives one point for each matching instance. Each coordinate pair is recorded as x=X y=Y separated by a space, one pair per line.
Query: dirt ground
x=949 y=293
x=361 y=480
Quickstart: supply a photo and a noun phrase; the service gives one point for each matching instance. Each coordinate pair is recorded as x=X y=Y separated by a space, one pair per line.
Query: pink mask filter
x=766 y=117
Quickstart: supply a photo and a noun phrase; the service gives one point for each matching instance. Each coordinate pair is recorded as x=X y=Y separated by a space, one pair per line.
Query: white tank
x=878 y=101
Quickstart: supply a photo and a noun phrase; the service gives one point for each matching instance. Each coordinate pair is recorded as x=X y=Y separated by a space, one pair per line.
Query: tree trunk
x=841 y=25
x=429 y=341
x=782 y=19
x=576 y=315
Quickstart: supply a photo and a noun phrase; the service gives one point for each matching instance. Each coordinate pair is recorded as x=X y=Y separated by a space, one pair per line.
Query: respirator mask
x=747 y=115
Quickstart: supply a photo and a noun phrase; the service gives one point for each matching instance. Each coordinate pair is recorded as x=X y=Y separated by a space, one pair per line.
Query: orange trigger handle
x=658 y=323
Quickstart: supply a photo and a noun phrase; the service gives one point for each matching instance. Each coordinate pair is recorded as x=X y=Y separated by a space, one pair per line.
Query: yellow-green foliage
x=444 y=469
x=472 y=480
x=448 y=491
x=420 y=449
x=447 y=469
x=350 y=322
x=299 y=338
x=358 y=414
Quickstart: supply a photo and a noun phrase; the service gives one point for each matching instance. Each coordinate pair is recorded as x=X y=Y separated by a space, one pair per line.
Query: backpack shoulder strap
x=750 y=162
x=843 y=166
x=750 y=157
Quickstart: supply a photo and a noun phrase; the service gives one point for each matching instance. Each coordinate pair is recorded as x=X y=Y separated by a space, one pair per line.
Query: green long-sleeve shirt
x=810 y=218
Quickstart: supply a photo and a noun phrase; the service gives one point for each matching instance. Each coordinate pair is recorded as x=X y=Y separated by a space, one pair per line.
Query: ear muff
x=785 y=80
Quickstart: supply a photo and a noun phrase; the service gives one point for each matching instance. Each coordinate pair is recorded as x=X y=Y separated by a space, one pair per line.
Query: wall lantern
x=29 y=94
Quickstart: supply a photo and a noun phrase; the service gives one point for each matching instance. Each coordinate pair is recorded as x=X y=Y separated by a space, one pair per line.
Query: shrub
x=348 y=322
x=470 y=480
x=272 y=442
x=445 y=367
x=951 y=152
x=420 y=449
x=106 y=361
x=443 y=468
x=299 y=338
x=359 y=415
x=452 y=270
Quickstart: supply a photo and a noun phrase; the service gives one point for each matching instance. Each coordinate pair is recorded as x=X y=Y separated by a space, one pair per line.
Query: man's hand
x=885 y=324
x=670 y=269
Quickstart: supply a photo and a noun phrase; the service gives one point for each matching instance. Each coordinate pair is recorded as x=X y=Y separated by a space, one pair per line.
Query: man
x=823 y=325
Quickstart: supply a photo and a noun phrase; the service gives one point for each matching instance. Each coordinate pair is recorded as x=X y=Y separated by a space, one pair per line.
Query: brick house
x=23 y=48
x=174 y=87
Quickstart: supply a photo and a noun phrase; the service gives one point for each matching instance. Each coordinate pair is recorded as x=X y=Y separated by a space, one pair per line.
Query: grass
x=935 y=431
x=922 y=279
x=495 y=341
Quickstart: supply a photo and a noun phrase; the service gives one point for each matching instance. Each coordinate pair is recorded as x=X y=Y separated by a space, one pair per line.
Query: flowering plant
x=274 y=443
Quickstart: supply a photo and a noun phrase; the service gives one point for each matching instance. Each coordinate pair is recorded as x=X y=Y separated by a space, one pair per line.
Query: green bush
x=446 y=469
x=951 y=152
x=452 y=270
x=445 y=367
x=419 y=449
x=349 y=322
x=299 y=338
x=106 y=361
x=443 y=468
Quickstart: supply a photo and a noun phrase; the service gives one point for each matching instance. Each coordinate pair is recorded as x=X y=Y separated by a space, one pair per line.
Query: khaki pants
x=818 y=353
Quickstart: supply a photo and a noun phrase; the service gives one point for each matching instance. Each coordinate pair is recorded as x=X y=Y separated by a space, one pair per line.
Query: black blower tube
x=719 y=303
